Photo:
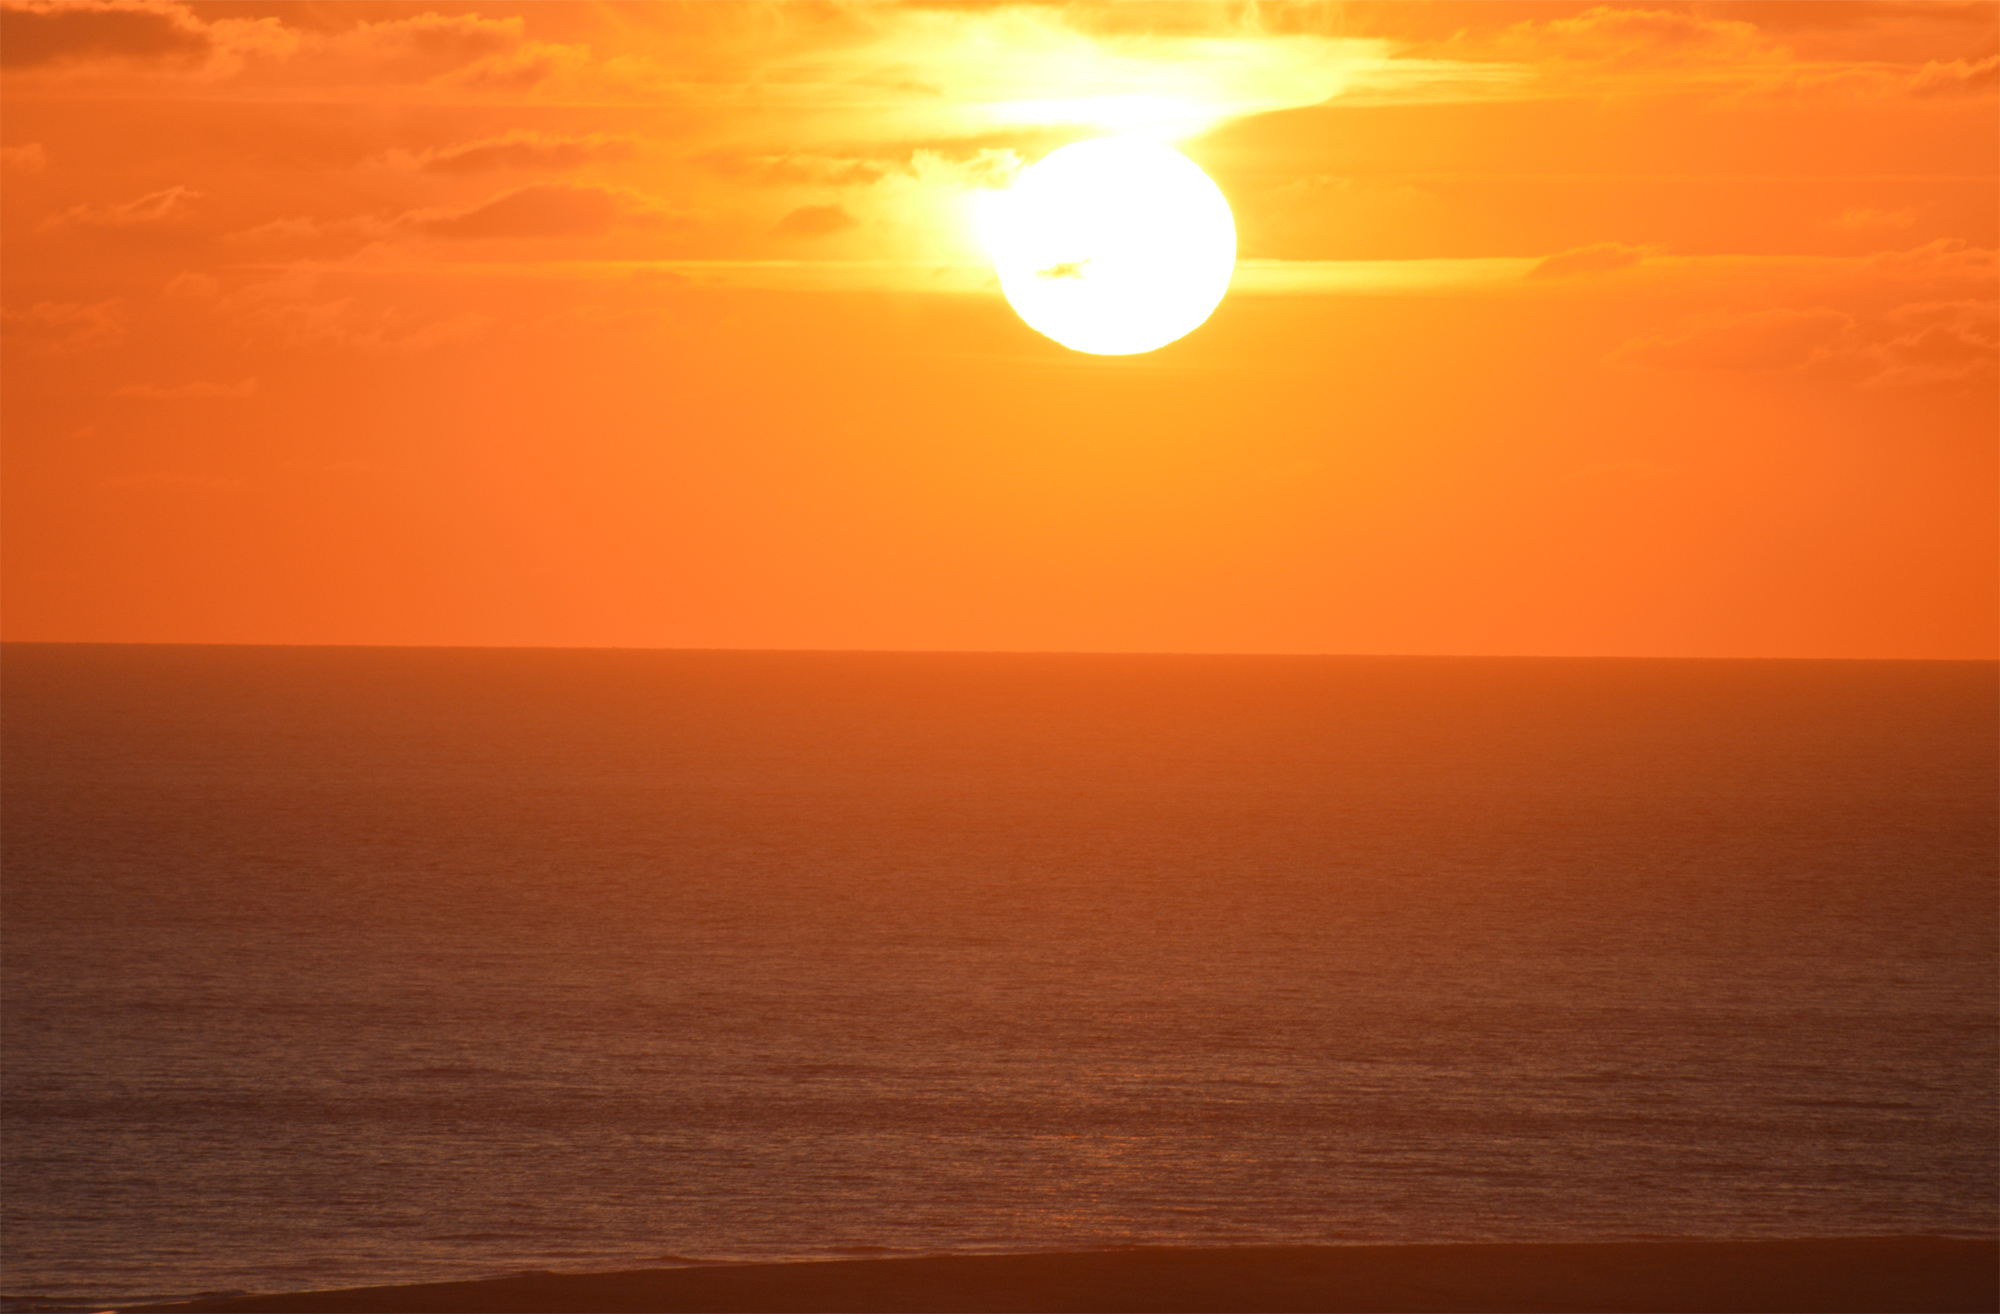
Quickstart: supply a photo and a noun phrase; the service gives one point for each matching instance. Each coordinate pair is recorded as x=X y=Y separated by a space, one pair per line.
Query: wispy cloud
x=60 y=328
x=911 y=73
x=169 y=205
x=1603 y=258
x=517 y=150
x=1638 y=49
x=546 y=210
x=815 y=221
x=1917 y=345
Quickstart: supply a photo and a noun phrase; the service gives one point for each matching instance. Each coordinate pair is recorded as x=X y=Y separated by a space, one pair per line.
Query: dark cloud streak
x=546 y=210
x=36 y=35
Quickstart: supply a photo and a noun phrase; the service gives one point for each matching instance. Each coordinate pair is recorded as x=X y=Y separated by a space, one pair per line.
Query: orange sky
x=1558 y=329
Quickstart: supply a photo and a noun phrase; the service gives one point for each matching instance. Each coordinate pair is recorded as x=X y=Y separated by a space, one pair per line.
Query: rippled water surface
x=327 y=967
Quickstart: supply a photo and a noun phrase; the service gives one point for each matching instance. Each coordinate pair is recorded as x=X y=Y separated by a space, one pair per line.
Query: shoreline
x=1862 y=1274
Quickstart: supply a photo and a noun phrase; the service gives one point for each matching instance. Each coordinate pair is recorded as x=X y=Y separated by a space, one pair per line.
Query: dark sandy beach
x=1875 y=1274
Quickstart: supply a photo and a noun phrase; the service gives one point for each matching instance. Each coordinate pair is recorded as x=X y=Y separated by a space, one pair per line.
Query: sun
x=1113 y=246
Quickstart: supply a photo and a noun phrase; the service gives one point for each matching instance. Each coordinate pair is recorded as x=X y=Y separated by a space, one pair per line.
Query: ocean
x=328 y=967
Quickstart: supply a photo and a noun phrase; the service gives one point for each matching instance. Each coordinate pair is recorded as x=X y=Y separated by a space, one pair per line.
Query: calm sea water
x=329 y=967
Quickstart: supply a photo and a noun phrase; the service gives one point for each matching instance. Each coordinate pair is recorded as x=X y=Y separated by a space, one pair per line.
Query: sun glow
x=1113 y=246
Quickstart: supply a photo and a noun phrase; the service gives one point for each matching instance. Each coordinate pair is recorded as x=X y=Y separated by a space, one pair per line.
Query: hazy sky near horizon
x=1632 y=329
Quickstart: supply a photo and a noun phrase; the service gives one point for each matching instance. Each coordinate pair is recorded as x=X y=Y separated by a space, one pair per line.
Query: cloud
x=545 y=210
x=1724 y=340
x=533 y=63
x=1606 y=39
x=1922 y=343
x=170 y=205
x=301 y=323
x=69 y=34
x=443 y=333
x=793 y=169
x=1848 y=49
x=304 y=228
x=435 y=40
x=465 y=51
x=1600 y=259
x=1935 y=343
x=462 y=50
x=814 y=221
x=1957 y=77
x=298 y=228
x=958 y=71
x=282 y=311
x=29 y=158
x=35 y=33
x=293 y=283
x=1626 y=38
x=521 y=149
x=188 y=391
x=60 y=328
x=1946 y=259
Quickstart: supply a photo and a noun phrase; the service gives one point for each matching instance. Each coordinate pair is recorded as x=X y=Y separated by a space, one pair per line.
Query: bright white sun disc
x=1112 y=246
